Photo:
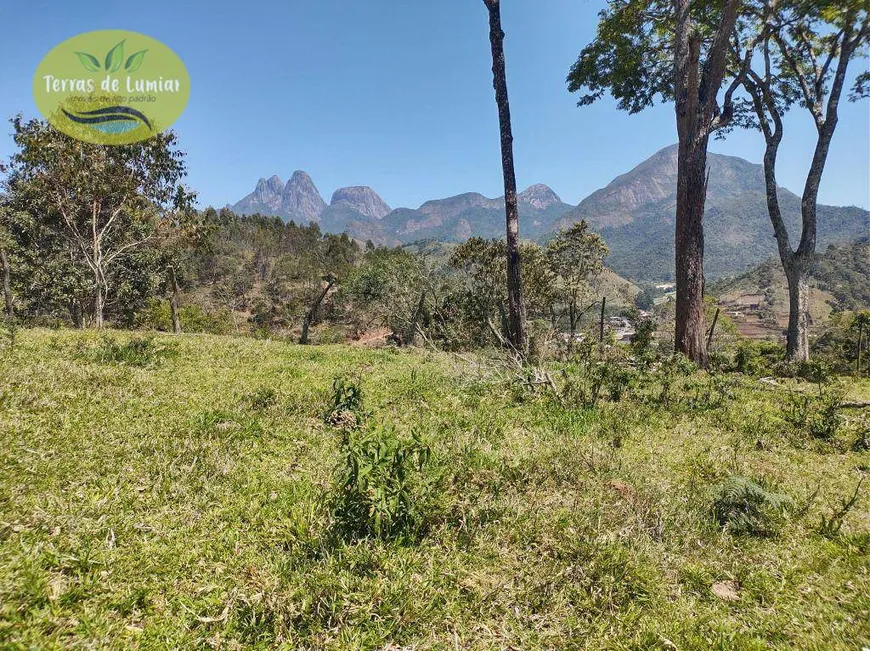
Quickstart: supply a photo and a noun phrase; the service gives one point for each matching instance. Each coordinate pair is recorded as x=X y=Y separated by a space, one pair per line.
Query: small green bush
x=837 y=342
x=743 y=507
x=670 y=374
x=381 y=487
x=328 y=335
x=815 y=415
x=757 y=358
x=138 y=351
x=711 y=391
x=156 y=316
x=830 y=526
x=591 y=375
x=642 y=342
x=345 y=408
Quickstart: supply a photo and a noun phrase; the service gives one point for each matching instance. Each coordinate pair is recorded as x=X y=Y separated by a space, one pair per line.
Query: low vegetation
x=202 y=490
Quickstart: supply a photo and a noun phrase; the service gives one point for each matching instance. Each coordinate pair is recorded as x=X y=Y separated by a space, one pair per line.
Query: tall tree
x=106 y=201
x=516 y=308
x=576 y=257
x=804 y=48
x=676 y=49
x=333 y=259
x=386 y=286
x=696 y=87
x=483 y=295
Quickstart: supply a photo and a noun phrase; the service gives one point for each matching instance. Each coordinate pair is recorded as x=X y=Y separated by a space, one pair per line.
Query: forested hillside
x=842 y=271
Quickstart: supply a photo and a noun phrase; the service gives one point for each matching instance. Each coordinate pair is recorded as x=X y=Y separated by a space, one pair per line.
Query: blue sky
x=396 y=94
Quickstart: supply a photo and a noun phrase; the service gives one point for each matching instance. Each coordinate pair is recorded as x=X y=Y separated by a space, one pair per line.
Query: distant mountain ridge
x=363 y=214
x=634 y=213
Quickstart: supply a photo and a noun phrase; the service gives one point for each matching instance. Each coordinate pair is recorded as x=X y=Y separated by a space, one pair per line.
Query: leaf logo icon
x=115 y=57
x=89 y=61
x=135 y=61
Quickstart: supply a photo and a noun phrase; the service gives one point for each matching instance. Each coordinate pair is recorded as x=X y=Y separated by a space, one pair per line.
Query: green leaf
x=115 y=57
x=89 y=61
x=135 y=61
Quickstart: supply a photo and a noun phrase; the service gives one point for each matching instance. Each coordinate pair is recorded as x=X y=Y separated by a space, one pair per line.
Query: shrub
x=743 y=507
x=670 y=373
x=641 y=343
x=710 y=391
x=830 y=526
x=592 y=375
x=329 y=335
x=382 y=490
x=837 y=344
x=138 y=351
x=345 y=407
x=757 y=358
x=815 y=415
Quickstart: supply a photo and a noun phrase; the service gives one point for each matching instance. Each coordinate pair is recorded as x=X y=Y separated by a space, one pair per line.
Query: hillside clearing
x=175 y=495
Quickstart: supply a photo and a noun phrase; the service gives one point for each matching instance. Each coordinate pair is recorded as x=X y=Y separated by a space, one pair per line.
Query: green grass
x=176 y=494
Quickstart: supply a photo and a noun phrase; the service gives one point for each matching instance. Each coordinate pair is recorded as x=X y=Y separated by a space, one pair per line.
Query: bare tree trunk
x=516 y=309
x=712 y=330
x=860 y=343
x=796 y=264
x=797 y=347
x=99 y=306
x=411 y=334
x=601 y=322
x=76 y=313
x=696 y=88
x=690 y=326
x=797 y=340
x=173 y=301
x=691 y=192
x=312 y=312
x=7 y=286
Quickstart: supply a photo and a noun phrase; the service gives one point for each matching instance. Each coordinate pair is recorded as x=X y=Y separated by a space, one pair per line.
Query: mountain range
x=634 y=213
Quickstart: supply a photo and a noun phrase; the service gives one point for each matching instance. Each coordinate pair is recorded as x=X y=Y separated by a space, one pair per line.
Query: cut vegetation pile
x=205 y=491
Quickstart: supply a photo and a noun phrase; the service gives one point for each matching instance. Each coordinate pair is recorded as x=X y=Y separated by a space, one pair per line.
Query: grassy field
x=181 y=493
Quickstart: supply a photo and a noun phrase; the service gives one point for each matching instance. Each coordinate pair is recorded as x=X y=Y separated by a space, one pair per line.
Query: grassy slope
x=160 y=507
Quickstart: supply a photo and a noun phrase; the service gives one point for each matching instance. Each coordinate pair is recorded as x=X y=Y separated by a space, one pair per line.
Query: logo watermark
x=111 y=87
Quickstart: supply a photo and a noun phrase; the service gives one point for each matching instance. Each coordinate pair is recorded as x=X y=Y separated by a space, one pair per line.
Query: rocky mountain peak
x=269 y=187
x=300 y=199
x=362 y=199
x=653 y=180
x=266 y=197
x=539 y=196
